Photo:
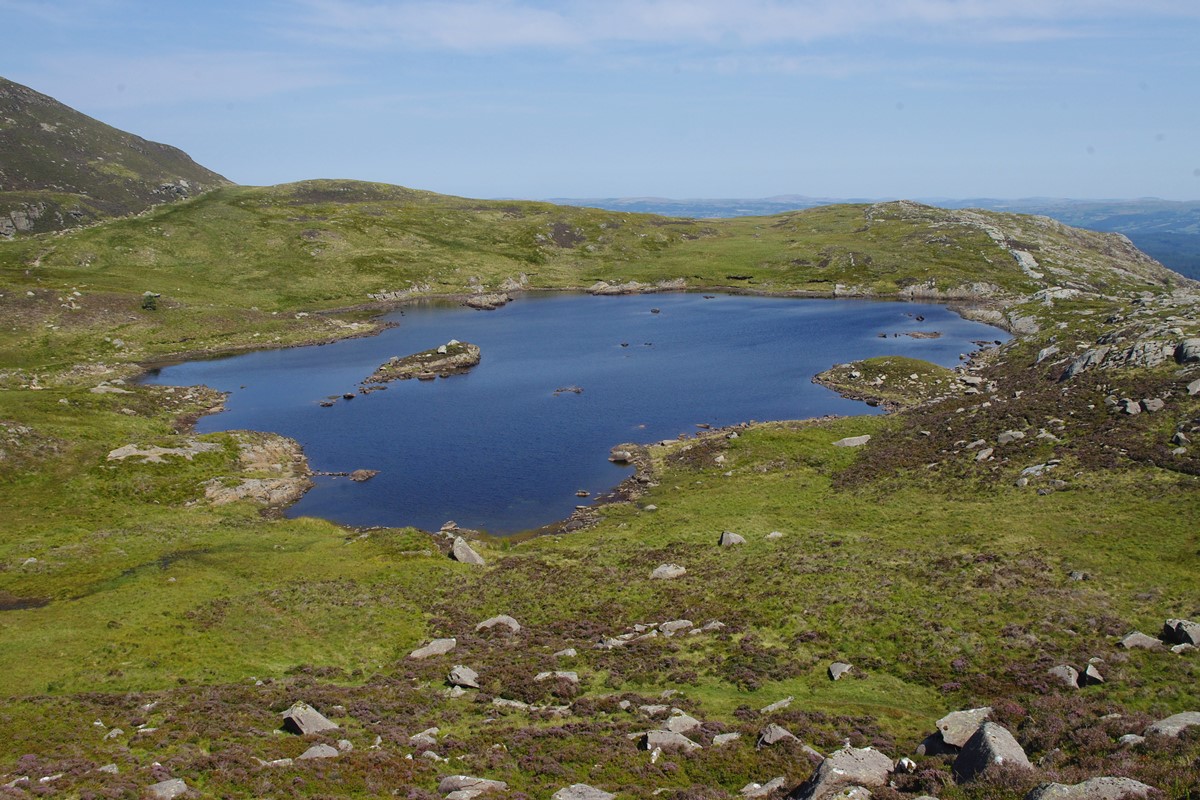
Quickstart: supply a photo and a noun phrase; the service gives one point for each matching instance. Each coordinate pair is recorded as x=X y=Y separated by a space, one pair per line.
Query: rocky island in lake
x=447 y=359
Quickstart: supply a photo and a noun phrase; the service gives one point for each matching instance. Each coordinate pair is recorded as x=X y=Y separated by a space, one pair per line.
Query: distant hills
x=60 y=168
x=1169 y=231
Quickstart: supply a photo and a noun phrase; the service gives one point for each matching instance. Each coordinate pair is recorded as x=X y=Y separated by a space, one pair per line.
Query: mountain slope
x=60 y=168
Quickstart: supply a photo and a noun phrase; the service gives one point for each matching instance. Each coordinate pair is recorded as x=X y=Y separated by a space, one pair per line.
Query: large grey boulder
x=1174 y=724
x=463 y=676
x=303 y=719
x=1188 y=351
x=435 y=648
x=581 y=791
x=774 y=734
x=681 y=723
x=1065 y=674
x=958 y=727
x=166 y=790
x=501 y=621
x=469 y=786
x=666 y=572
x=992 y=744
x=848 y=767
x=318 y=751
x=461 y=551
x=729 y=539
x=1182 y=631
x=839 y=668
x=1139 y=641
x=668 y=740
x=1094 y=789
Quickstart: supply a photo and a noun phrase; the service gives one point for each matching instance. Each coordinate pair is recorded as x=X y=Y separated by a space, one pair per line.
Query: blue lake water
x=496 y=449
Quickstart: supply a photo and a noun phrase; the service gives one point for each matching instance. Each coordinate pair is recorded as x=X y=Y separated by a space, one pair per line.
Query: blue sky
x=671 y=98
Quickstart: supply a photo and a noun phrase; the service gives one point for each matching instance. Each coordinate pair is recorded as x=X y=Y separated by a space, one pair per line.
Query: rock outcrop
x=446 y=359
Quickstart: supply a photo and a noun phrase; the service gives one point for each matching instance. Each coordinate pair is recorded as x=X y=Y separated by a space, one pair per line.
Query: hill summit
x=61 y=168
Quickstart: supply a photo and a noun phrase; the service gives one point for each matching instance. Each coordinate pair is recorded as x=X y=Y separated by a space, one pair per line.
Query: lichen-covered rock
x=958 y=727
x=1139 y=641
x=435 y=648
x=774 y=734
x=1174 y=724
x=581 y=791
x=502 y=621
x=462 y=552
x=1066 y=675
x=465 y=783
x=1182 y=631
x=668 y=740
x=463 y=676
x=839 y=668
x=991 y=745
x=303 y=719
x=666 y=572
x=167 y=790
x=729 y=539
x=318 y=751
x=1094 y=789
x=848 y=767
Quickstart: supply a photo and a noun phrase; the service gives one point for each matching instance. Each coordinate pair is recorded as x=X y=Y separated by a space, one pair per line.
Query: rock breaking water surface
x=497 y=449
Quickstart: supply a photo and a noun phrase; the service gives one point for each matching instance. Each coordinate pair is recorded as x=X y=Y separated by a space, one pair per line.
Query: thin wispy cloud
x=473 y=25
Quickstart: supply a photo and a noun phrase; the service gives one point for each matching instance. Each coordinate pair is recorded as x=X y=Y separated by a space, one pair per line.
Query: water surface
x=497 y=449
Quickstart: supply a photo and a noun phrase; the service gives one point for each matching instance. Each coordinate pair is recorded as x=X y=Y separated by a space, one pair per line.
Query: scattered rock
x=501 y=620
x=570 y=652
x=464 y=677
x=435 y=648
x=569 y=677
x=1067 y=675
x=1188 y=351
x=729 y=538
x=302 y=719
x=751 y=790
x=1091 y=676
x=674 y=626
x=666 y=572
x=958 y=727
x=848 y=767
x=1174 y=724
x=426 y=738
x=1130 y=739
x=853 y=441
x=778 y=705
x=1152 y=404
x=166 y=790
x=1010 y=436
x=581 y=791
x=318 y=751
x=992 y=744
x=681 y=723
x=1094 y=789
x=473 y=787
x=1181 y=631
x=773 y=734
x=461 y=551
x=667 y=740
x=725 y=738
x=1139 y=641
x=839 y=668
x=984 y=454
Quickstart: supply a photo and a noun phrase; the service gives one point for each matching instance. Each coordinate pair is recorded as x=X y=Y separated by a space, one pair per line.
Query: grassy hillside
x=62 y=169
x=150 y=627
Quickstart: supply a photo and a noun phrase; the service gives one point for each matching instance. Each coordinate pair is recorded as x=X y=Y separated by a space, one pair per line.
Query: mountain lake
x=497 y=448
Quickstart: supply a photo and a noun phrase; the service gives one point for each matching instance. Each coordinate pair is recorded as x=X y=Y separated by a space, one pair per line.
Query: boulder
x=667 y=740
x=774 y=734
x=1152 y=404
x=675 y=626
x=461 y=551
x=666 y=572
x=1174 y=724
x=426 y=738
x=853 y=441
x=581 y=791
x=1188 y=351
x=166 y=790
x=682 y=723
x=1066 y=675
x=318 y=751
x=729 y=538
x=751 y=790
x=302 y=719
x=992 y=744
x=435 y=648
x=778 y=705
x=1193 y=388
x=959 y=726
x=1091 y=676
x=465 y=783
x=848 y=767
x=839 y=668
x=1130 y=739
x=1182 y=631
x=463 y=676
x=1010 y=436
x=503 y=621
x=1094 y=789
x=559 y=675
x=725 y=738
x=1139 y=641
